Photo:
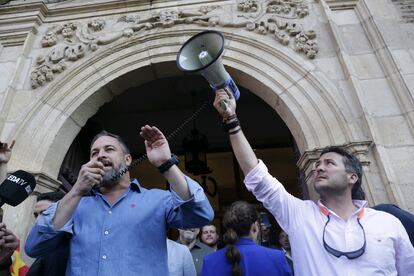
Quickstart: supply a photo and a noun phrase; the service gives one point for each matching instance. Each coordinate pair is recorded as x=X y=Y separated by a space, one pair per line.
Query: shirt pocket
x=380 y=250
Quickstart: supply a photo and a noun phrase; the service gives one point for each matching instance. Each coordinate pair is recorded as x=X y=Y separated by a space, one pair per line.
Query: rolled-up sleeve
x=404 y=252
x=191 y=213
x=43 y=237
x=267 y=189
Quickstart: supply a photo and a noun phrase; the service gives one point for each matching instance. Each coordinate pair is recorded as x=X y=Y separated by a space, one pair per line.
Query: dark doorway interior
x=167 y=103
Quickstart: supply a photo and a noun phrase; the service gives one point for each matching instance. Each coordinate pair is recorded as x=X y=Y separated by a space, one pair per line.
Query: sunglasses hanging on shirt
x=351 y=254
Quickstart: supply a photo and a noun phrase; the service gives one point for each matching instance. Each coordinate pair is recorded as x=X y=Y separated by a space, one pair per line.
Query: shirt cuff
x=196 y=192
x=255 y=176
x=46 y=220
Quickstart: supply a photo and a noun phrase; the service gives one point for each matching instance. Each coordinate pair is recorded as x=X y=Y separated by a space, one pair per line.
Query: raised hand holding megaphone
x=202 y=53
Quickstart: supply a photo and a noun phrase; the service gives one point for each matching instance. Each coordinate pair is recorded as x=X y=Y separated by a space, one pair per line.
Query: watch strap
x=230 y=125
x=169 y=163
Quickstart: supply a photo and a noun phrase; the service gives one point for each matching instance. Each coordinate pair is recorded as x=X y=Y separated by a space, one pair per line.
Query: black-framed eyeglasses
x=351 y=254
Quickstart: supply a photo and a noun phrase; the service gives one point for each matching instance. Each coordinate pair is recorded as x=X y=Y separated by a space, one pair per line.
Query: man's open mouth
x=106 y=163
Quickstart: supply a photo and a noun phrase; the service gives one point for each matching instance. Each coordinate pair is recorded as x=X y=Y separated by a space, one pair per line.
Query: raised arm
x=159 y=152
x=225 y=104
x=90 y=174
x=8 y=243
x=5 y=154
x=266 y=188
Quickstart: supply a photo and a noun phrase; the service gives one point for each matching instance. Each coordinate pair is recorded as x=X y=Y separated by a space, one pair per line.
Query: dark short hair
x=352 y=165
x=52 y=196
x=201 y=229
x=124 y=147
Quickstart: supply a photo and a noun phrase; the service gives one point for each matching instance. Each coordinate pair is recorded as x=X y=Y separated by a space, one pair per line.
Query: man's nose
x=320 y=167
x=101 y=155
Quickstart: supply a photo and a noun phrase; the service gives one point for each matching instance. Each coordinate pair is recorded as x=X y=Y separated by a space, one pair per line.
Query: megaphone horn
x=202 y=53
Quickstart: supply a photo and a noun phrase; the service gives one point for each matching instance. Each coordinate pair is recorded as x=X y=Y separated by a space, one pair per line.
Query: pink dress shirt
x=388 y=249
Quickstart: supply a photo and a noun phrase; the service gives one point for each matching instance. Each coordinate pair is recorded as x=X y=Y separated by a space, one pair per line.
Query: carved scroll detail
x=72 y=41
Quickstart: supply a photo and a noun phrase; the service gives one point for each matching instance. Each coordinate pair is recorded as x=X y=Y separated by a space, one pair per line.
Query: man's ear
x=353 y=178
x=128 y=159
x=255 y=227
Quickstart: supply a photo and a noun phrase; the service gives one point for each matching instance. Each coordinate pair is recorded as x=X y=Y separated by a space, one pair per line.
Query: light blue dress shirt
x=125 y=238
x=180 y=261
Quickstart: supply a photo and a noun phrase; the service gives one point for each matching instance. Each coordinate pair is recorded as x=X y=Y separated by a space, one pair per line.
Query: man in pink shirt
x=337 y=236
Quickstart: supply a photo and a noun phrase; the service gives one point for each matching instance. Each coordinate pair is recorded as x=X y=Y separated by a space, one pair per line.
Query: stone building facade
x=336 y=72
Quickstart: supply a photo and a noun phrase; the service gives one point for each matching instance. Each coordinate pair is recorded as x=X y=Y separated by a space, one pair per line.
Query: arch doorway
x=288 y=85
x=166 y=103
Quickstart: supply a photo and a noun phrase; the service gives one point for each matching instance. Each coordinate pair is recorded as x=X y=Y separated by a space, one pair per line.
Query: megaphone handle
x=223 y=105
x=229 y=85
x=234 y=89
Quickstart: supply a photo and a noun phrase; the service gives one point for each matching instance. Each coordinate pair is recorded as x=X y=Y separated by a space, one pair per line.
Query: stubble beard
x=211 y=242
x=333 y=187
x=187 y=237
x=109 y=179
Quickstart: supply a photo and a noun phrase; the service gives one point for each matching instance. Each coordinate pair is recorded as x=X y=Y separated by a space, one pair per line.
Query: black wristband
x=234 y=131
x=231 y=117
x=169 y=163
x=227 y=126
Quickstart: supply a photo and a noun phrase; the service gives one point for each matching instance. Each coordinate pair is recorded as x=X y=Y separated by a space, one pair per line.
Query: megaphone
x=202 y=53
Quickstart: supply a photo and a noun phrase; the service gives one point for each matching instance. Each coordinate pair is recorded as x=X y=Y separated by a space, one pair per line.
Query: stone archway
x=288 y=83
x=337 y=106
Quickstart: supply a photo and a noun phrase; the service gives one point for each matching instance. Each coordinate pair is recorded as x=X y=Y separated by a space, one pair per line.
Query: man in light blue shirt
x=117 y=226
x=180 y=261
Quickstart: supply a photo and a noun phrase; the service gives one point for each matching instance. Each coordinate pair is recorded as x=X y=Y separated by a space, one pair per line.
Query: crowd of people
x=108 y=224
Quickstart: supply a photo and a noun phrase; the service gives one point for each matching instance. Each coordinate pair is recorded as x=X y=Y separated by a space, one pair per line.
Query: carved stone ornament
x=72 y=41
x=54 y=1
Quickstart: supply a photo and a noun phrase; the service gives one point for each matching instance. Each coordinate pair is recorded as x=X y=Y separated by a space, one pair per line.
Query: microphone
x=16 y=188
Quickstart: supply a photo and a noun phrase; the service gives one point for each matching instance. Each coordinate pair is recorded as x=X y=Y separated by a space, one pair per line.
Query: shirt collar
x=360 y=212
x=134 y=186
x=198 y=244
x=245 y=241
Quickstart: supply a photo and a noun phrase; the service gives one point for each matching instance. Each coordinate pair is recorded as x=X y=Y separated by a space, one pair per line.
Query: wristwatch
x=169 y=163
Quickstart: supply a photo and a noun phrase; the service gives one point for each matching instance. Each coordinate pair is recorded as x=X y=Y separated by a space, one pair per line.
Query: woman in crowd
x=242 y=255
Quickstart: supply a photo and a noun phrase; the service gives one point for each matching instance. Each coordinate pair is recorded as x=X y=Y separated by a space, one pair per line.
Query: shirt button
x=106 y=232
x=109 y=212
x=104 y=257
